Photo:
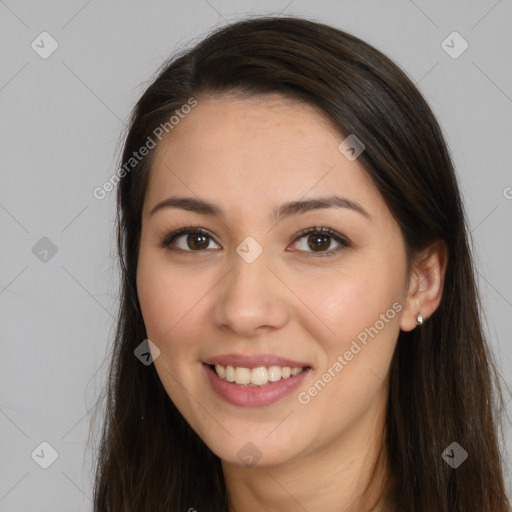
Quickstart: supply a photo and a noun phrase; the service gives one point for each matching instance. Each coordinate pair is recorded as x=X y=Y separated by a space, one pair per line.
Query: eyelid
x=323 y=230
x=342 y=240
x=167 y=239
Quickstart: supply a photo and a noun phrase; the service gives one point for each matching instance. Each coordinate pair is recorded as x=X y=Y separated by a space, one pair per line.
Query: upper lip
x=254 y=361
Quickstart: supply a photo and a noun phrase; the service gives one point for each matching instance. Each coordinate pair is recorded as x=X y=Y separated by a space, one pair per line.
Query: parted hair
x=443 y=382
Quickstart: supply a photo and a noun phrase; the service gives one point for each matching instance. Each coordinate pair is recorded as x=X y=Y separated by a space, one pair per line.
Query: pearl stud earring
x=419 y=319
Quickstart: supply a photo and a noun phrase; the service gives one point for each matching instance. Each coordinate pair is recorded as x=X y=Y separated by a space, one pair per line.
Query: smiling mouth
x=256 y=377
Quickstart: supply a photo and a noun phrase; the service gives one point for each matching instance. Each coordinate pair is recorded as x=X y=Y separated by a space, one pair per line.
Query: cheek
x=162 y=296
x=172 y=303
x=360 y=322
x=347 y=304
x=154 y=301
x=360 y=313
x=171 y=308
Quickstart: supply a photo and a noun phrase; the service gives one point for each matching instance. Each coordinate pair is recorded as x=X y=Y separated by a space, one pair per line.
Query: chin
x=255 y=452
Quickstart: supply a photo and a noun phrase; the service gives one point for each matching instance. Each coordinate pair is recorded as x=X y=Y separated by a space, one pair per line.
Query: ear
x=426 y=282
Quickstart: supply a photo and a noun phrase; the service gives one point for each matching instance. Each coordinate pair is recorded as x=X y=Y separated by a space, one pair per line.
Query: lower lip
x=253 y=396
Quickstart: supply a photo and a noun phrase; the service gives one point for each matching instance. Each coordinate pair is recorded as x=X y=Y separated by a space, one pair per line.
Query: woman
x=299 y=323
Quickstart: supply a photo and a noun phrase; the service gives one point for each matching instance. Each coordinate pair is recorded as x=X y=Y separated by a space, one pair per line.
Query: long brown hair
x=443 y=385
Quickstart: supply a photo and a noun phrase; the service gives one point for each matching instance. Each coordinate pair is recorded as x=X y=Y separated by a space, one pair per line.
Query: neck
x=334 y=478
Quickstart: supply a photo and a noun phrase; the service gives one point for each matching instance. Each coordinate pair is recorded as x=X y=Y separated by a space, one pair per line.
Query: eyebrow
x=292 y=208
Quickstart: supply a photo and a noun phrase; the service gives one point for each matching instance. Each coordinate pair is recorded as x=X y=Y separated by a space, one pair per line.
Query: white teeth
x=242 y=375
x=220 y=371
x=259 y=376
x=256 y=376
x=230 y=374
x=274 y=373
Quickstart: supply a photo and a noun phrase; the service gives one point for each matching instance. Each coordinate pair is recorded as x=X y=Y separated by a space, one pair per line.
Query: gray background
x=60 y=124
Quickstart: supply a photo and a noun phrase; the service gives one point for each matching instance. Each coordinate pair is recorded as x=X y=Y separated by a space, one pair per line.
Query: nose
x=251 y=299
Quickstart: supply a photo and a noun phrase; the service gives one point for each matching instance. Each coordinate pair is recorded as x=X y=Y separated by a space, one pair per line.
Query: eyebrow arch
x=292 y=208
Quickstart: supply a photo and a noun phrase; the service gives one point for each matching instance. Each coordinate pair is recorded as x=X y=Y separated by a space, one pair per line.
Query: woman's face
x=254 y=294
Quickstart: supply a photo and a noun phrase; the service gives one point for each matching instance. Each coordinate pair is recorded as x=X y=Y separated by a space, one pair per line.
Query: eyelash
x=167 y=239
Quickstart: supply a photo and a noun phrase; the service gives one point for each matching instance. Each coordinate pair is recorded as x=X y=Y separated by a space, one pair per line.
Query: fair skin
x=249 y=156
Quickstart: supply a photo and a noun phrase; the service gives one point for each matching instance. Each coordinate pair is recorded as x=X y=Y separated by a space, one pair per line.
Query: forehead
x=237 y=123
x=256 y=151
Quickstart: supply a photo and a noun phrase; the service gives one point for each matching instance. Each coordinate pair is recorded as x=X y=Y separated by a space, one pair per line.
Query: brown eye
x=319 y=241
x=196 y=241
x=187 y=240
